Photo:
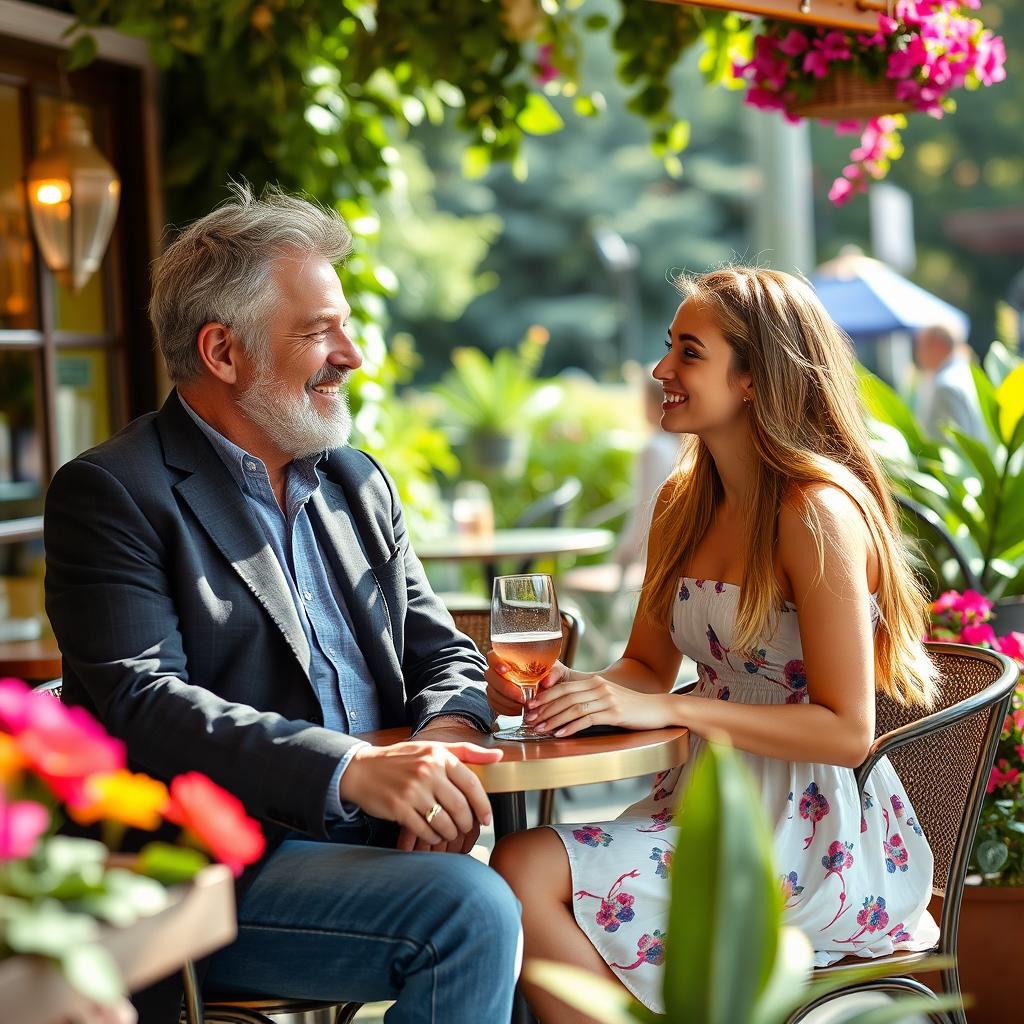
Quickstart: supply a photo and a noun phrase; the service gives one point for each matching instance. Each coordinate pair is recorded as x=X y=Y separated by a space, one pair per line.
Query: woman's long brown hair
x=807 y=425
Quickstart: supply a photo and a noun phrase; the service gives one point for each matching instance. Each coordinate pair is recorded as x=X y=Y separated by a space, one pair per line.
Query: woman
x=775 y=562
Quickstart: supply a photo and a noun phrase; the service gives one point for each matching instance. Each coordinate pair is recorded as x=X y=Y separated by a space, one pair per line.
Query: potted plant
x=977 y=489
x=492 y=403
x=994 y=905
x=76 y=922
x=730 y=960
x=865 y=82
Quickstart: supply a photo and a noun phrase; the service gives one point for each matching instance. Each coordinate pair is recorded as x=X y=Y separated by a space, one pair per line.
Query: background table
x=527 y=542
x=552 y=764
x=36 y=661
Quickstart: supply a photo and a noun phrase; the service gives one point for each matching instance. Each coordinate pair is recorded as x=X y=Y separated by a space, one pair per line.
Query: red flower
x=64 y=746
x=1012 y=645
x=217 y=819
x=977 y=634
x=1002 y=775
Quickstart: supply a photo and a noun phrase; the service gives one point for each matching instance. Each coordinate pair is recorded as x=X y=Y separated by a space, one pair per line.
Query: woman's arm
x=833 y=607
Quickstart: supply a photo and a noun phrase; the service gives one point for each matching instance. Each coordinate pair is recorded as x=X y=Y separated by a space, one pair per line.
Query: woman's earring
x=746 y=399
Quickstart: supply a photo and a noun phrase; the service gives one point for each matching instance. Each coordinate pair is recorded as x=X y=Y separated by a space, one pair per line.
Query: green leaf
x=886 y=405
x=476 y=161
x=784 y=991
x=170 y=864
x=538 y=117
x=82 y=52
x=987 y=400
x=999 y=362
x=92 y=971
x=901 y=1009
x=723 y=876
x=1010 y=398
x=604 y=1000
x=48 y=929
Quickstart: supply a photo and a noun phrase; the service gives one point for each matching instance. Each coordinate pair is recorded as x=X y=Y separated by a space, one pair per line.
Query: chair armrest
x=938 y=721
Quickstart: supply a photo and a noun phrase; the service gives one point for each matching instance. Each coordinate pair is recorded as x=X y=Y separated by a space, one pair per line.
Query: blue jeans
x=438 y=932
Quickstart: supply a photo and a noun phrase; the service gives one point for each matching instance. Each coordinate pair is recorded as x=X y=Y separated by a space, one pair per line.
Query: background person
x=233 y=591
x=946 y=395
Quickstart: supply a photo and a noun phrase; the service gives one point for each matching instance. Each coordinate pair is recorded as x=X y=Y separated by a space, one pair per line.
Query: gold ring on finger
x=432 y=813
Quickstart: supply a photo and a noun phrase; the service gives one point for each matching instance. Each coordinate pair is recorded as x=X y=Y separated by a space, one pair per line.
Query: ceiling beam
x=855 y=15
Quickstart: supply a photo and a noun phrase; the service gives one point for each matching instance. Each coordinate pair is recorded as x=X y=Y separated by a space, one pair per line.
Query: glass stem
x=529 y=692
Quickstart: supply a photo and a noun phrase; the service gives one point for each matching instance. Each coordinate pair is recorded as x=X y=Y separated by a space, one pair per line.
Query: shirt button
x=330 y=650
x=307 y=595
x=250 y=465
x=353 y=715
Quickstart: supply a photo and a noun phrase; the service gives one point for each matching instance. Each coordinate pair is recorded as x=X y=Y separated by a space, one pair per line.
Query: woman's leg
x=536 y=867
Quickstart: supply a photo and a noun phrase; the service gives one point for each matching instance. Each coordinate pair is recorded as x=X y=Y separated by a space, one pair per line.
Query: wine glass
x=526 y=633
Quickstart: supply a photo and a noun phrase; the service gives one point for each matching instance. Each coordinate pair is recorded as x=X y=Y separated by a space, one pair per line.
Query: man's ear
x=219 y=347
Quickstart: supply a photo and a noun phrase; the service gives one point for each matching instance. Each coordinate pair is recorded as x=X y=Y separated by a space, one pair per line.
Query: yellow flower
x=11 y=758
x=123 y=796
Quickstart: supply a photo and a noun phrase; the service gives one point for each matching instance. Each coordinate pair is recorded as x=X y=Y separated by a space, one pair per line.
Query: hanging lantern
x=73 y=195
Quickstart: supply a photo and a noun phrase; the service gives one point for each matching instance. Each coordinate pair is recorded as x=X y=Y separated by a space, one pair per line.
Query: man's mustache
x=330 y=375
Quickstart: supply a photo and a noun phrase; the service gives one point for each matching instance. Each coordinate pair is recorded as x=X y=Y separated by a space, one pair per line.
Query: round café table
x=554 y=763
x=522 y=543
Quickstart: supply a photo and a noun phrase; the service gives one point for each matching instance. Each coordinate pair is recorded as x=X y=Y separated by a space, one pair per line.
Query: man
x=946 y=393
x=233 y=591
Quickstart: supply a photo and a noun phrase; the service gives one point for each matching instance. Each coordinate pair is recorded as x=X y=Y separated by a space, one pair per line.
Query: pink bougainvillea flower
x=974 y=606
x=815 y=63
x=977 y=634
x=945 y=602
x=842 y=191
x=217 y=819
x=14 y=704
x=64 y=746
x=1011 y=645
x=21 y=825
x=794 y=44
x=546 y=70
x=1002 y=774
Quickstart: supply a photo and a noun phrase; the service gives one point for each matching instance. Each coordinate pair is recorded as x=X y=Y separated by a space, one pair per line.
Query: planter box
x=989 y=946
x=199 y=919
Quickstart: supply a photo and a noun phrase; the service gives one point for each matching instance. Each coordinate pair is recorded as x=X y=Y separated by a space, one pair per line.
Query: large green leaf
x=722 y=876
x=987 y=401
x=1010 y=397
x=605 y=1001
x=48 y=929
x=1000 y=362
x=170 y=864
x=886 y=405
x=900 y=1010
x=92 y=971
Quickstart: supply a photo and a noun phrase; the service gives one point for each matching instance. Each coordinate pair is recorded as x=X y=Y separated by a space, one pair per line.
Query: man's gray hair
x=218 y=271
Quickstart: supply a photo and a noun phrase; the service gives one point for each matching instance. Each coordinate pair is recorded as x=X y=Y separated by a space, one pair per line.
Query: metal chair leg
x=193 y=1000
x=546 y=811
x=893 y=984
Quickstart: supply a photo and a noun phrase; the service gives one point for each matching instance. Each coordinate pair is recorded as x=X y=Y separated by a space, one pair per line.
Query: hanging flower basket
x=864 y=82
x=844 y=95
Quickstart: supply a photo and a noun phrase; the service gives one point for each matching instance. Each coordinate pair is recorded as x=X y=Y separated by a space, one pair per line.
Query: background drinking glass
x=526 y=633
x=472 y=511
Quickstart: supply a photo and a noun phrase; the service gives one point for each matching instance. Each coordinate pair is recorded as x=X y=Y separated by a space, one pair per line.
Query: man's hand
x=405 y=781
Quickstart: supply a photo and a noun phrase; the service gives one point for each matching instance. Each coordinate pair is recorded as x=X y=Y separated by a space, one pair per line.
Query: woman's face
x=702 y=391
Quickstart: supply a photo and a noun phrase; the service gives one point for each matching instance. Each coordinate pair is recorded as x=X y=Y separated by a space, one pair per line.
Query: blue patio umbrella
x=865 y=297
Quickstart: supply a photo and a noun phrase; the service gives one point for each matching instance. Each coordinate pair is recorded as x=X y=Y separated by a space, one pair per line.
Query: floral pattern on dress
x=813 y=807
x=650 y=949
x=591 y=835
x=664 y=861
x=901 y=814
x=835 y=862
x=790 y=890
x=616 y=908
x=872 y=917
x=661 y=821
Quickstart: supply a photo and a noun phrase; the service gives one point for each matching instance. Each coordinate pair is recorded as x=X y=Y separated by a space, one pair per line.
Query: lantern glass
x=73 y=196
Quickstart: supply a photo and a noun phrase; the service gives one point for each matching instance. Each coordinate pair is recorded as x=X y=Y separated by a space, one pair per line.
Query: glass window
x=84 y=311
x=22 y=458
x=21 y=591
x=83 y=400
x=17 y=285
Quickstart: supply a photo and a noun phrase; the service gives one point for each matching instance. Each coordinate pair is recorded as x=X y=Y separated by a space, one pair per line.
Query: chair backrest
x=945 y=772
x=476 y=624
x=926 y=526
x=550 y=510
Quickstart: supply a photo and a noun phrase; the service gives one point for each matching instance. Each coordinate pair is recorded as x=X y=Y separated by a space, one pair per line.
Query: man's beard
x=297 y=427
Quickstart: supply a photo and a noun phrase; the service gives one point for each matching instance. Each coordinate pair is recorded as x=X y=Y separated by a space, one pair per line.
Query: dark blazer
x=178 y=631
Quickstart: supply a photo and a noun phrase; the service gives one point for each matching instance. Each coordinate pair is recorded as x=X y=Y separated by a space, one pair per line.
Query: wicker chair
x=943 y=760
x=476 y=624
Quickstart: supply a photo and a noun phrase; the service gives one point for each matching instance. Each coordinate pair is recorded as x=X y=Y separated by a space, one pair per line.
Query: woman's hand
x=503 y=695
x=577 y=704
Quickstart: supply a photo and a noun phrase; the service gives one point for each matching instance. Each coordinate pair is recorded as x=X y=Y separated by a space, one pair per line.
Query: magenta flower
x=1011 y=645
x=591 y=835
x=977 y=634
x=1002 y=774
x=794 y=44
x=816 y=63
x=546 y=70
x=873 y=917
x=974 y=606
x=896 y=857
x=616 y=911
x=838 y=858
x=21 y=825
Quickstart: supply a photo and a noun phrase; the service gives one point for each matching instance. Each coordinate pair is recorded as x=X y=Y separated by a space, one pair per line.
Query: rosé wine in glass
x=526 y=633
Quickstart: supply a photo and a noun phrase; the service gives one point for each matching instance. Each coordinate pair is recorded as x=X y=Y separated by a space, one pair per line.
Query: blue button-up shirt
x=337 y=669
